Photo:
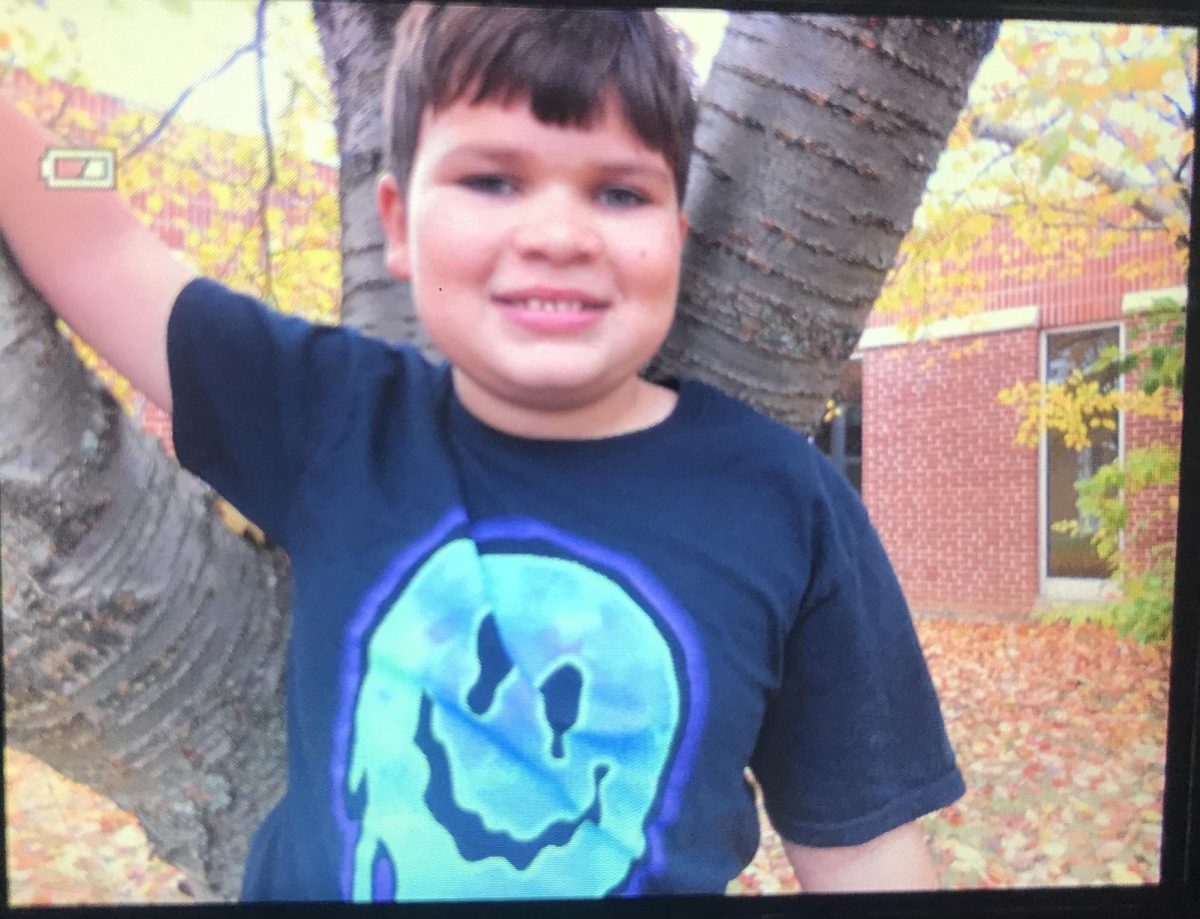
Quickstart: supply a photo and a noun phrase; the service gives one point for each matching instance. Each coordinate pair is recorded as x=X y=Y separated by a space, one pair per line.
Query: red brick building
x=963 y=510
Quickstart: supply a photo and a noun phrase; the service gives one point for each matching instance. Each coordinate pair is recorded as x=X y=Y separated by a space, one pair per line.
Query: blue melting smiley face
x=511 y=733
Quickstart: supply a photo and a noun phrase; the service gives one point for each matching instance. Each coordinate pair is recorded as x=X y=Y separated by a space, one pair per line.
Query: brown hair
x=561 y=60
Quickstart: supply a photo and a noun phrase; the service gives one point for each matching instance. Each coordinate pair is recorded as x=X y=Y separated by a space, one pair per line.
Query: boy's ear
x=683 y=226
x=393 y=218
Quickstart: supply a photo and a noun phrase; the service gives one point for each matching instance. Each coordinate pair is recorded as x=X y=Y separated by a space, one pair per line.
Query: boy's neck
x=634 y=406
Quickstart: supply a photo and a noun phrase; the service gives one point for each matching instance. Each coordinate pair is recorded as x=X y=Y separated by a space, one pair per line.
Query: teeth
x=554 y=306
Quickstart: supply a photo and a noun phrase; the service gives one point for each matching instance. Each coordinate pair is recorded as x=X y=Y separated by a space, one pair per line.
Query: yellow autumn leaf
x=235 y=521
x=968 y=857
x=1147 y=74
x=82 y=120
x=1122 y=875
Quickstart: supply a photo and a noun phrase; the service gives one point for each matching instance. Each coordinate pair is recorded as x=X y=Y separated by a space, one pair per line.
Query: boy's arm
x=106 y=274
x=895 y=860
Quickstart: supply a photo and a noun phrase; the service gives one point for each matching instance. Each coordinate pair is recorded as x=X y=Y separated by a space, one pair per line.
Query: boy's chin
x=548 y=393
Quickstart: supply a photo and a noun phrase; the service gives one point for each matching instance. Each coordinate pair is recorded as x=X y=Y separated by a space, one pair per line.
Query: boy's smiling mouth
x=551 y=310
x=553 y=306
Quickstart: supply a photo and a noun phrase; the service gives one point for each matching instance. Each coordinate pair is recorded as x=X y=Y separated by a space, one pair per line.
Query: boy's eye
x=488 y=184
x=620 y=196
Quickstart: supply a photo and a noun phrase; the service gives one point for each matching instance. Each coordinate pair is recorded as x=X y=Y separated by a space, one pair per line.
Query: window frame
x=1057 y=588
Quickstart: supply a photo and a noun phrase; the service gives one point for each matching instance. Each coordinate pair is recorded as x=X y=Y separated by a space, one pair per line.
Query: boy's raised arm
x=98 y=266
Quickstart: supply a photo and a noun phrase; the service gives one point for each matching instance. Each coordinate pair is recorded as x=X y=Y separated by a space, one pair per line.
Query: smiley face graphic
x=513 y=731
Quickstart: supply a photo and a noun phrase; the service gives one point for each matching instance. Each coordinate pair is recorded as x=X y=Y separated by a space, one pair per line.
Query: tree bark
x=144 y=642
x=816 y=137
x=356 y=39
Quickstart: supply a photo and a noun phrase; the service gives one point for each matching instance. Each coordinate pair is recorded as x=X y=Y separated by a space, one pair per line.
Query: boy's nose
x=557 y=228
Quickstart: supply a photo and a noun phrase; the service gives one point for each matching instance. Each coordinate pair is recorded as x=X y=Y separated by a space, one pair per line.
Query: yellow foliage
x=76 y=120
x=1147 y=75
x=177 y=169
x=1098 y=75
x=976 y=346
x=1076 y=407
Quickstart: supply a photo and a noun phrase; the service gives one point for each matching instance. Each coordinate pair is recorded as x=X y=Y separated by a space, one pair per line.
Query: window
x=1070 y=557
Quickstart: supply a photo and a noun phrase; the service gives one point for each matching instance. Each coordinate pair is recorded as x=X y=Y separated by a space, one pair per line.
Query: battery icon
x=86 y=167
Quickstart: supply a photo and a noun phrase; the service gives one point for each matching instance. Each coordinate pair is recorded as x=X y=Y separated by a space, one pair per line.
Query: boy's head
x=536 y=168
x=561 y=62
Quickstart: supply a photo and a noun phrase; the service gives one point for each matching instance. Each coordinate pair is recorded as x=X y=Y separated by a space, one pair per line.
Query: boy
x=546 y=612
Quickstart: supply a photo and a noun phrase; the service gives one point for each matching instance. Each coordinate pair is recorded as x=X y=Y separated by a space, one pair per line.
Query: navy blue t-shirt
x=527 y=668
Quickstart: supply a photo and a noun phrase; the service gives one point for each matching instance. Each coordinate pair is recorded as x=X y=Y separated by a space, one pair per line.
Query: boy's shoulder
x=225 y=346
x=208 y=311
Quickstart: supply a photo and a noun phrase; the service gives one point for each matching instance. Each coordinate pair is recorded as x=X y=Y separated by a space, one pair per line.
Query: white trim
x=1075 y=590
x=1139 y=301
x=1005 y=320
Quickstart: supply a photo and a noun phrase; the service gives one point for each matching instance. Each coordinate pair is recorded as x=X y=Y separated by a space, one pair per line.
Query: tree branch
x=1153 y=206
x=1157 y=166
x=170 y=113
x=1188 y=120
x=146 y=660
x=264 y=120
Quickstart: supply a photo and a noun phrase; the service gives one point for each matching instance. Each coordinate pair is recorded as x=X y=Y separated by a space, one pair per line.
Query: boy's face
x=544 y=261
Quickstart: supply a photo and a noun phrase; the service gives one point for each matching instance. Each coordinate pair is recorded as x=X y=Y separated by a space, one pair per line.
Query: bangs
x=563 y=64
x=566 y=64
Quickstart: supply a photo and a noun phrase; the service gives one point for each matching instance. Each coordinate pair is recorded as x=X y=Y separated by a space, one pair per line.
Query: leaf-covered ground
x=1059 y=730
x=68 y=844
x=1060 y=733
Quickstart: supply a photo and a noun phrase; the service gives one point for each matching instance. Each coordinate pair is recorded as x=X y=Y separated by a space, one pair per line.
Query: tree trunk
x=356 y=39
x=807 y=173
x=816 y=137
x=144 y=642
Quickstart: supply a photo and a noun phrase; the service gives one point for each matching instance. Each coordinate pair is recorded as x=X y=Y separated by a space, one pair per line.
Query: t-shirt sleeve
x=853 y=742
x=255 y=396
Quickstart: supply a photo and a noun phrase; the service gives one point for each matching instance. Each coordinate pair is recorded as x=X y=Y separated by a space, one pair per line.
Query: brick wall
x=954 y=499
x=1154 y=509
x=1061 y=272
x=157 y=423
